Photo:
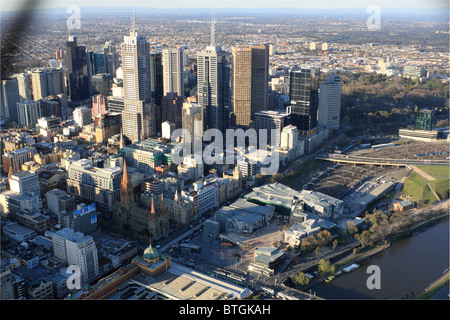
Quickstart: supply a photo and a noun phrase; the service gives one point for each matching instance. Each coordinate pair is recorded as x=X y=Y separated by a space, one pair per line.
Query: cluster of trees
x=324 y=267
x=312 y=242
x=370 y=101
x=382 y=226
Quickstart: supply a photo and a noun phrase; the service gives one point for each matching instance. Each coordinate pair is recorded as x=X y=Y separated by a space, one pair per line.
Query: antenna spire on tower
x=213 y=29
x=133 y=22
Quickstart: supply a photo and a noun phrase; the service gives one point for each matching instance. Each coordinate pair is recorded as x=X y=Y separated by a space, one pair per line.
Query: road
x=382 y=161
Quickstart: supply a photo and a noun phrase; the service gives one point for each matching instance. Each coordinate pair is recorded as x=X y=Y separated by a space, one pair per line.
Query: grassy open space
x=416 y=187
x=436 y=171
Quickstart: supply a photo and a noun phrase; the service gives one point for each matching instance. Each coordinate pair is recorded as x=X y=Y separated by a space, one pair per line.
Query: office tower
x=173 y=73
x=9 y=98
x=304 y=99
x=82 y=116
x=271 y=120
x=115 y=104
x=75 y=248
x=156 y=77
x=330 y=101
x=324 y=46
x=192 y=122
x=55 y=81
x=98 y=62
x=111 y=58
x=213 y=84
x=24 y=82
x=24 y=181
x=28 y=113
x=136 y=115
x=107 y=125
x=98 y=105
x=39 y=84
x=414 y=71
x=250 y=82
x=171 y=109
x=76 y=70
x=99 y=185
x=50 y=108
x=102 y=84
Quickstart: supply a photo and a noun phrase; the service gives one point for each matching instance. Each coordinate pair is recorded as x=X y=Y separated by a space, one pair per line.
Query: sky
x=6 y=5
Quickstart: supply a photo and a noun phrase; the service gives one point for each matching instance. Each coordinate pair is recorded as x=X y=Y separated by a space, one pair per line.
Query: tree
x=335 y=244
x=300 y=279
x=326 y=267
x=351 y=227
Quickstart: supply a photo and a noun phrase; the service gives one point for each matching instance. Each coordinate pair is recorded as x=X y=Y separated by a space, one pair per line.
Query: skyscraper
x=171 y=109
x=24 y=82
x=111 y=58
x=330 y=101
x=28 y=113
x=9 y=97
x=138 y=114
x=76 y=70
x=213 y=84
x=39 y=84
x=193 y=124
x=156 y=77
x=250 y=82
x=173 y=74
x=304 y=99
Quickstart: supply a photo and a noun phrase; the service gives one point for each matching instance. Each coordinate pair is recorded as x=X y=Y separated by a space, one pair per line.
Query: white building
x=167 y=128
x=82 y=116
x=173 y=74
x=12 y=202
x=75 y=248
x=25 y=181
x=208 y=196
x=330 y=101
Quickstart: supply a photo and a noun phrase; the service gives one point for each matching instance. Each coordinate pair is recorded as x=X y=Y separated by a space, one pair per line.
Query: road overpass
x=381 y=161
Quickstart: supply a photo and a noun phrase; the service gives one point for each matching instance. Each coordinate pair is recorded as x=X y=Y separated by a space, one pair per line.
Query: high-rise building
x=173 y=73
x=139 y=113
x=28 y=113
x=193 y=123
x=304 y=99
x=213 y=84
x=82 y=116
x=107 y=125
x=55 y=81
x=271 y=120
x=98 y=105
x=111 y=58
x=39 y=84
x=330 y=101
x=76 y=70
x=50 y=108
x=156 y=77
x=24 y=181
x=102 y=84
x=75 y=248
x=171 y=109
x=9 y=98
x=250 y=82
x=24 y=82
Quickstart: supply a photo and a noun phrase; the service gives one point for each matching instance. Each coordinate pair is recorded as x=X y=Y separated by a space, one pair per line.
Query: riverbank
x=433 y=288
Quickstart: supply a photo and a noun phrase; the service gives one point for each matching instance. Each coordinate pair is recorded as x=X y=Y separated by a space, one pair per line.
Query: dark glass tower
x=304 y=99
x=156 y=77
x=76 y=69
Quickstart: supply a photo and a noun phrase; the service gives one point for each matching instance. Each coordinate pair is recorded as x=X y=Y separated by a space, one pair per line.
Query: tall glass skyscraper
x=304 y=99
x=138 y=116
x=76 y=69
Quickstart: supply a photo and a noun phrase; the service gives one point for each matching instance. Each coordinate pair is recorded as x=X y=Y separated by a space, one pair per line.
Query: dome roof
x=150 y=253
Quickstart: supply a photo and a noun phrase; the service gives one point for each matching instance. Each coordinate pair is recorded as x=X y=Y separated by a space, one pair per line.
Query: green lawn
x=416 y=187
x=436 y=171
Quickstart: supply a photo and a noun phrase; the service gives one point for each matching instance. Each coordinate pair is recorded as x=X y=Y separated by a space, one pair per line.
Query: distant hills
x=419 y=14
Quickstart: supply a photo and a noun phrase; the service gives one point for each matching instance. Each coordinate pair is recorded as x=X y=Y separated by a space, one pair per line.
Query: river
x=406 y=268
